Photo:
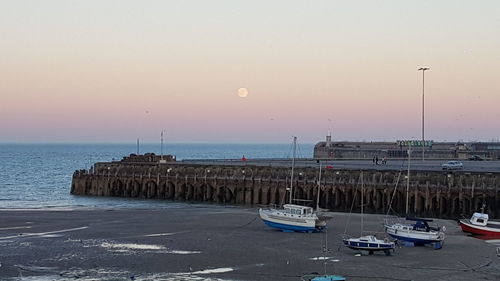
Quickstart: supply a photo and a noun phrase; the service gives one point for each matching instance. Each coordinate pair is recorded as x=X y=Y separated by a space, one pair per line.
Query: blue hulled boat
x=369 y=243
x=417 y=231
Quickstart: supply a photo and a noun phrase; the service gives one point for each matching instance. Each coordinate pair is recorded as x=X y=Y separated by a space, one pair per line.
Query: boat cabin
x=479 y=219
x=422 y=224
x=297 y=209
x=369 y=238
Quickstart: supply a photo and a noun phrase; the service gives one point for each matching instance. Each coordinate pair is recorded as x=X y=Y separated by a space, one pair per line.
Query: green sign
x=414 y=143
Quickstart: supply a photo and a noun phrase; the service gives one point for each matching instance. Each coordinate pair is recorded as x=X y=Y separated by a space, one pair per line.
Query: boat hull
x=416 y=241
x=290 y=227
x=416 y=237
x=479 y=230
x=368 y=246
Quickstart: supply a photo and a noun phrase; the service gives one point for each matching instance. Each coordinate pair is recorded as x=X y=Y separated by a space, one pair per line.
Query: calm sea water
x=39 y=175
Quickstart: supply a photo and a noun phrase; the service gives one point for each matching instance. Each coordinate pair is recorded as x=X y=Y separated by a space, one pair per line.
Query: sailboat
x=292 y=217
x=414 y=231
x=368 y=243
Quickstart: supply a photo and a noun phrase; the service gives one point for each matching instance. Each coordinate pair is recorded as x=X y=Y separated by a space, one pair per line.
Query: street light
x=423 y=69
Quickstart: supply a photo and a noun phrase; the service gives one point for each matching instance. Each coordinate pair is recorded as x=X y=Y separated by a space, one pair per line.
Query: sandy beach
x=200 y=242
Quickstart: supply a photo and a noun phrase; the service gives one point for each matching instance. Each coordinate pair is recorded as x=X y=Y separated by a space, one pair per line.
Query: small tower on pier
x=328 y=140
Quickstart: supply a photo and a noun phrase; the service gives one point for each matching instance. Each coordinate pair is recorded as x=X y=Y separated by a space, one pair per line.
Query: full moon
x=242 y=92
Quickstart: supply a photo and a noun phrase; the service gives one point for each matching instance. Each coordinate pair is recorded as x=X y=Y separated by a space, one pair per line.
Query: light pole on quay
x=423 y=69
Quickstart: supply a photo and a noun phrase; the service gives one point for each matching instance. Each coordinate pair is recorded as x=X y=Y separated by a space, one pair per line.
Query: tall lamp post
x=423 y=69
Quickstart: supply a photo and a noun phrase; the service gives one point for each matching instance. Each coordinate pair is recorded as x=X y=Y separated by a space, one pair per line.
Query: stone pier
x=431 y=194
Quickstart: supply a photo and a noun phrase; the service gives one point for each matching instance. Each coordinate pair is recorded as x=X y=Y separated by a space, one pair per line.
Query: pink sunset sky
x=115 y=71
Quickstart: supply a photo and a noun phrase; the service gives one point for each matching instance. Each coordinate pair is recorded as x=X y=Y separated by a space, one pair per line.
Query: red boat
x=479 y=224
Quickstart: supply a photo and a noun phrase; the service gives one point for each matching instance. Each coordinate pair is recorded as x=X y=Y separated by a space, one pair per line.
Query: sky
x=115 y=71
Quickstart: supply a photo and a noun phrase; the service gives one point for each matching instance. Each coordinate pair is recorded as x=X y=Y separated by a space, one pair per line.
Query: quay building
x=329 y=149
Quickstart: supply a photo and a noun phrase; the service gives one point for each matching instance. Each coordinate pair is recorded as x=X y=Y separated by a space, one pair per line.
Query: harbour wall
x=431 y=194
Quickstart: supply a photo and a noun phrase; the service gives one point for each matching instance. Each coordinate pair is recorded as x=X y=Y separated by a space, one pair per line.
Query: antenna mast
x=293 y=166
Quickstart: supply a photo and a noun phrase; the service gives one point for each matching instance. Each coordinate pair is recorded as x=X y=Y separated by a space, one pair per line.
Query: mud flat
x=199 y=242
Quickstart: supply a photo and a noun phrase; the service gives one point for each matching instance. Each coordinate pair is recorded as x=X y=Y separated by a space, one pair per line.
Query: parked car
x=452 y=165
x=476 y=158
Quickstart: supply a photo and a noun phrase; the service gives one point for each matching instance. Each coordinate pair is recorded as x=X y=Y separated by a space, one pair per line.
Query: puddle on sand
x=102 y=274
x=214 y=270
x=159 y=234
x=42 y=234
x=132 y=248
x=14 y=227
x=50 y=236
x=324 y=258
x=493 y=241
x=181 y=252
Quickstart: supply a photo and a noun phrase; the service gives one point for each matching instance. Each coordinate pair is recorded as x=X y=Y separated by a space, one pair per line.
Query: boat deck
x=492 y=224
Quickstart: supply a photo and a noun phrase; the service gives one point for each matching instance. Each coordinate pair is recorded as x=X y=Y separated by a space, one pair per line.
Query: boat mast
x=361 y=203
x=293 y=166
x=319 y=186
x=408 y=179
x=325 y=251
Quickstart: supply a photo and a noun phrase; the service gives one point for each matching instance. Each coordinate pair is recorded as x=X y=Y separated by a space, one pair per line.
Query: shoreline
x=215 y=243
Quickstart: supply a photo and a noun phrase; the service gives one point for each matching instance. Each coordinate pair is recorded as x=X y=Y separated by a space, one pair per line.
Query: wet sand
x=215 y=243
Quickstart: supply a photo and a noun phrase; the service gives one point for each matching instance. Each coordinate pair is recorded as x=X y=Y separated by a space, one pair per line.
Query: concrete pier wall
x=431 y=194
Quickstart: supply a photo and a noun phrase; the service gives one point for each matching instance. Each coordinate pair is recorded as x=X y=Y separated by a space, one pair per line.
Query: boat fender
x=444 y=228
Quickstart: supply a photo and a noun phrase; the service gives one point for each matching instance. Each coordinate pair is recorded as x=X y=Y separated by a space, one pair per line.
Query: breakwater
x=431 y=193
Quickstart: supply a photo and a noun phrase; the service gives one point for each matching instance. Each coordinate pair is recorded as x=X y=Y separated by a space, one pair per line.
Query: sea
x=38 y=176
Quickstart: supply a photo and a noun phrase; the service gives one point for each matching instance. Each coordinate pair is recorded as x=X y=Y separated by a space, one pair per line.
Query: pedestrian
x=373 y=160
x=384 y=160
x=376 y=160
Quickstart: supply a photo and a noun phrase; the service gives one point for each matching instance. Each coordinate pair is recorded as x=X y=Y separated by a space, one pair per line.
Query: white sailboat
x=414 y=231
x=368 y=243
x=292 y=217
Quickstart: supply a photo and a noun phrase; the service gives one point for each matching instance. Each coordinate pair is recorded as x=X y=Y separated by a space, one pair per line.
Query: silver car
x=452 y=165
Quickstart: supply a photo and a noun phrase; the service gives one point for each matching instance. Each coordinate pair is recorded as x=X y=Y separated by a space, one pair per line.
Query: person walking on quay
x=376 y=160
x=373 y=160
x=384 y=160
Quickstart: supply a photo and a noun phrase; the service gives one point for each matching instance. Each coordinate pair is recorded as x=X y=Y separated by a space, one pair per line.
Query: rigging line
x=393 y=194
x=248 y=223
x=395 y=188
x=283 y=198
x=352 y=207
x=464 y=269
x=299 y=151
x=290 y=149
